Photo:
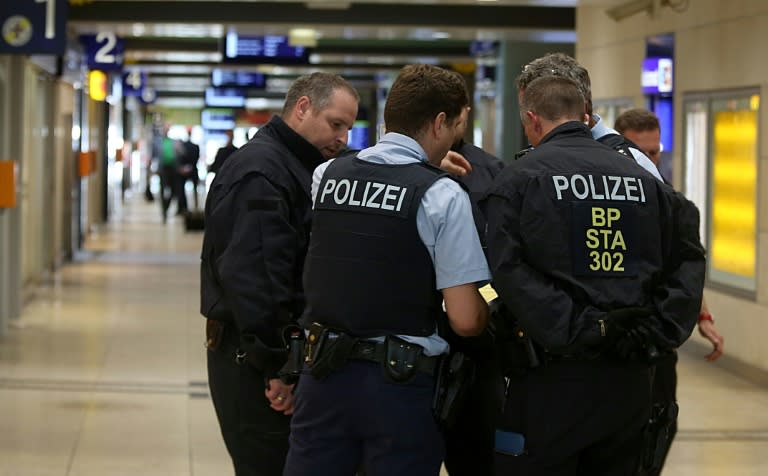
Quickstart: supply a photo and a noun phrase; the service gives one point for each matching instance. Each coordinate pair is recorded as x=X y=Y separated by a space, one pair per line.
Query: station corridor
x=104 y=373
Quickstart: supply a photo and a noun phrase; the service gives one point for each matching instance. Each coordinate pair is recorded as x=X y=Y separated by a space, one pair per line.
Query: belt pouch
x=332 y=354
x=400 y=358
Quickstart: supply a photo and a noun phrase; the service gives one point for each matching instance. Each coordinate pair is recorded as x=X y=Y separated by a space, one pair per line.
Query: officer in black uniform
x=469 y=441
x=392 y=238
x=257 y=231
x=601 y=269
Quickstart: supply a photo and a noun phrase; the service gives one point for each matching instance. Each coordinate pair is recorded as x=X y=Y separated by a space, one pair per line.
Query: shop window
x=721 y=178
x=610 y=109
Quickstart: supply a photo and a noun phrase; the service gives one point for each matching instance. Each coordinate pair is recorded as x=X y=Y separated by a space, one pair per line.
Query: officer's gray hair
x=319 y=88
x=557 y=64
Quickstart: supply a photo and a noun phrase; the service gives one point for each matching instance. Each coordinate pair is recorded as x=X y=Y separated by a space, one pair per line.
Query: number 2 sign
x=104 y=51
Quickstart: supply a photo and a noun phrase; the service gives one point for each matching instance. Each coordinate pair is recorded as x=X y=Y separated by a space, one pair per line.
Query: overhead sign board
x=33 y=27
x=104 y=51
x=269 y=49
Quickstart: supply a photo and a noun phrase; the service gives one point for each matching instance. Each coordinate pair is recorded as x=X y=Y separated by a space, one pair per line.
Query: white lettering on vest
x=599 y=187
x=375 y=195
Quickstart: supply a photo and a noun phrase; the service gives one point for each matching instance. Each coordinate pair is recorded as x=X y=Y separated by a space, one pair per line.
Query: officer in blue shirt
x=392 y=239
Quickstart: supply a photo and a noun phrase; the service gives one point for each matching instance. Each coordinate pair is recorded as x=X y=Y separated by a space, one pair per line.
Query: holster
x=325 y=353
x=454 y=376
x=657 y=438
x=294 y=338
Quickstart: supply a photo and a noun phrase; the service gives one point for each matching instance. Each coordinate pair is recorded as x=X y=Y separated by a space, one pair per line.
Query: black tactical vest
x=368 y=272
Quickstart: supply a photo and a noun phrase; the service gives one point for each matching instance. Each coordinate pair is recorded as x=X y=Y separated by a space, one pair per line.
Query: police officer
x=257 y=231
x=392 y=238
x=600 y=266
x=560 y=64
x=469 y=441
x=642 y=128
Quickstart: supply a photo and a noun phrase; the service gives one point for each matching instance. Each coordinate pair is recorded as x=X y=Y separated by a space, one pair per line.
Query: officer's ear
x=303 y=105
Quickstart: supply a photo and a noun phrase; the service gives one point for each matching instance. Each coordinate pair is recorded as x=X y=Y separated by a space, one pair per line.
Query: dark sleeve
x=540 y=305
x=678 y=296
x=218 y=160
x=256 y=267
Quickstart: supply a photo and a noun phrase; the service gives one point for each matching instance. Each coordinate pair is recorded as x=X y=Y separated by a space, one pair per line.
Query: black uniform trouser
x=469 y=442
x=582 y=418
x=664 y=393
x=255 y=435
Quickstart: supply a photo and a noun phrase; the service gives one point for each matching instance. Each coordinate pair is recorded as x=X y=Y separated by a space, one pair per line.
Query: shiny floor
x=104 y=373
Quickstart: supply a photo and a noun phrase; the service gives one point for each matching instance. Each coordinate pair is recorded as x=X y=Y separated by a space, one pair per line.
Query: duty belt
x=375 y=352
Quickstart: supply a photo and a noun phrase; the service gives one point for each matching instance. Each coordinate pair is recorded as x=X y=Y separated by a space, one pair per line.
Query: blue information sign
x=33 y=27
x=134 y=82
x=104 y=51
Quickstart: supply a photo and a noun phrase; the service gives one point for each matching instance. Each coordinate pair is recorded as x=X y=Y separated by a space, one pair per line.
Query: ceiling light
x=306 y=37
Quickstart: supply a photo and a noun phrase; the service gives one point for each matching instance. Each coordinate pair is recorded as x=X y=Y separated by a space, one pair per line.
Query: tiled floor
x=104 y=373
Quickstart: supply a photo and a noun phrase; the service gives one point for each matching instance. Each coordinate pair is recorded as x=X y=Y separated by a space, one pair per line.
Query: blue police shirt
x=444 y=221
x=600 y=129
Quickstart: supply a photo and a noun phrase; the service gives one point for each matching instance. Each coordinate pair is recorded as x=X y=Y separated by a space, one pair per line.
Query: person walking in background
x=189 y=154
x=222 y=154
x=168 y=170
x=257 y=219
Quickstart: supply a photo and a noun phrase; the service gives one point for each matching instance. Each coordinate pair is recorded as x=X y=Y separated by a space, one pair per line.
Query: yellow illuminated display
x=97 y=85
x=734 y=186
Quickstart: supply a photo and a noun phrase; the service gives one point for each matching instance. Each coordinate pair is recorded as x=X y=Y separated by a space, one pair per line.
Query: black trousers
x=469 y=442
x=255 y=435
x=665 y=392
x=582 y=418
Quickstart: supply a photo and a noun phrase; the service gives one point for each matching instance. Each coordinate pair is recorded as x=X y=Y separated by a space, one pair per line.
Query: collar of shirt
x=600 y=129
x=394 y=148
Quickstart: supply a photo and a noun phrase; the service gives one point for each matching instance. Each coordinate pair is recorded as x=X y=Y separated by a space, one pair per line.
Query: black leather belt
x=374 y=352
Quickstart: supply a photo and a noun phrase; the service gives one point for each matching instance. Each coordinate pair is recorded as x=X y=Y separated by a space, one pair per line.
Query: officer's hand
x=280 y=396
x=708 y=331
x=625 y=332
x=634 y=344
x=455 y=164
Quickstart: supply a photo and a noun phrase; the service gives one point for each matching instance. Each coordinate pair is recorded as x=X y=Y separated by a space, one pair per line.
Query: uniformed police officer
x=469 y=441
x=392 y=238
x=642 y=128
x=600 y=266
x=256 y=235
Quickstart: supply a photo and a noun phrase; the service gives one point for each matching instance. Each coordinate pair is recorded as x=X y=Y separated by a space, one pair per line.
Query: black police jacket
x=485 y=167
x=257 y=221
x=365 y=241
x=576 y=230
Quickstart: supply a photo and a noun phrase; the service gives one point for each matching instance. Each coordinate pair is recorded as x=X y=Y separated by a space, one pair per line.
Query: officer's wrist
x=705 y=316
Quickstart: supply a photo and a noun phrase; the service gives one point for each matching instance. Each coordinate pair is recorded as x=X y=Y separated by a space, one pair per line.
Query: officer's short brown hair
x=419 y=94
x=639 y=120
